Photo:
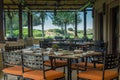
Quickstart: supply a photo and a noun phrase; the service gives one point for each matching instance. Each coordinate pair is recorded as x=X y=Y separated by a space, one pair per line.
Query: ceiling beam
x=13 y=1
x=51 y=9
x=46 y=4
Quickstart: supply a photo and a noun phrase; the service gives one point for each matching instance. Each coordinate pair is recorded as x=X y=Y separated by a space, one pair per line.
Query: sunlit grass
x=38 y=34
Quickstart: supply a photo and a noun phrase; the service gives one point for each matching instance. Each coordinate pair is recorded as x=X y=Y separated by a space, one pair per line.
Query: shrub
x=70 y=29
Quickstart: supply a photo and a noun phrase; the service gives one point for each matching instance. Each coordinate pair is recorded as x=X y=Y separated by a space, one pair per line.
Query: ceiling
x=45 y=4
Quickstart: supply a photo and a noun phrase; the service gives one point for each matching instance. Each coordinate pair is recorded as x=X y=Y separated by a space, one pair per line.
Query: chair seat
x=38 y=75
x=89 y=65
x=16 y=70
x=97 y=74
x=59 y=63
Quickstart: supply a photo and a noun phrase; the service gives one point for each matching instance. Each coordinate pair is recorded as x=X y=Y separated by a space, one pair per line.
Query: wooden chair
x=12 y=64
x=39 y=72
x=110 y=61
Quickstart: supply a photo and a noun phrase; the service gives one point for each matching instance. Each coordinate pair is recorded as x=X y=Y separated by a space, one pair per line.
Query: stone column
x=119 y=26
x=20 y=21
x=85 y=23
x=29 y=25
x=1 y=21
x=76 y=24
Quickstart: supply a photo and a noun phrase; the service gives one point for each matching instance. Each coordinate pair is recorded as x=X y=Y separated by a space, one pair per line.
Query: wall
x=119 y=26
x=107 y=30
x=2 y=46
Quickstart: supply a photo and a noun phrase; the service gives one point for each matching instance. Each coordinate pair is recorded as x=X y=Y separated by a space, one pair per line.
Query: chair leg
x=64 y=78
x=77 y=78
x=5 y=77
x=117 y=78
x=64 y=69
x=18 y=77
x=22 y=78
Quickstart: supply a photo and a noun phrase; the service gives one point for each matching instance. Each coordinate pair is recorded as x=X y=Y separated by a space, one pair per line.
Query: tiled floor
x=10 y=77
x=1 y=75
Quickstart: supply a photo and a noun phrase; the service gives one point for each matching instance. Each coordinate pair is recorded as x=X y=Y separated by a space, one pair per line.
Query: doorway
x=115 y=29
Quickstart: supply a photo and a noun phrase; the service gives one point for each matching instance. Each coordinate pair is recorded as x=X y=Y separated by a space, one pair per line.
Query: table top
x=2 y=45
x=14 y=43
x=62 y=53
x=71 y=54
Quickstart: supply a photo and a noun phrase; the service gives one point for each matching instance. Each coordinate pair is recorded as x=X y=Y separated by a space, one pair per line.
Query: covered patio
x=106 y=29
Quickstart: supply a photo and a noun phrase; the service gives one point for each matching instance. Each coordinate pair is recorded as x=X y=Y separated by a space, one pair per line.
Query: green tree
x=42 y=17
x=36 y=18
x=57 y=22
x=7 y=22
x=63 y=19
x=73 y=21
x=11 y=25
x=70 y=29
x=12 y=22
x=25 y=19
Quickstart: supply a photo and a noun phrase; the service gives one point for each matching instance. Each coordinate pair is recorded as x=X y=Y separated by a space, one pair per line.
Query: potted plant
x=55 y=47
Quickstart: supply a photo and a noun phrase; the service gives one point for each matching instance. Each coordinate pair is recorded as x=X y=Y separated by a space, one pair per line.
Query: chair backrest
x=111 y=61
x=100 y=46
x=34 y=61
x=13 y=48
x=11 y=58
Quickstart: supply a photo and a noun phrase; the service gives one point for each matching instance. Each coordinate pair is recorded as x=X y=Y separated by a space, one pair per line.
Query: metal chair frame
x=11 y=59
x=110 y=61
x=35 y=62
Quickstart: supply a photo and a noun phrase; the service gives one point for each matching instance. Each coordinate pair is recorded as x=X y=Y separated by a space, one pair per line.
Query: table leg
x=52 y=62
x=69 y=75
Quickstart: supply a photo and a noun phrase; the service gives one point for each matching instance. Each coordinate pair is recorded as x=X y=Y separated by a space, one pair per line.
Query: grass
x=38 y=33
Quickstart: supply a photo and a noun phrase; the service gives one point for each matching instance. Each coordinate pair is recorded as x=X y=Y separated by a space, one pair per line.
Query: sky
x=49 y=25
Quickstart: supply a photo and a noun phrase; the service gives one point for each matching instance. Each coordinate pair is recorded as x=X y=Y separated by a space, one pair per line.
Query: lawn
x=52 y=33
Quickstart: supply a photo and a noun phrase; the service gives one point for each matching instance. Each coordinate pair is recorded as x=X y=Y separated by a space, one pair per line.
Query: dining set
x=41 y=64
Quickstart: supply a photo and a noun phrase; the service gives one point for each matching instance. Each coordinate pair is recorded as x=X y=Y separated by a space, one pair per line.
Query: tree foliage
x=73 y=19
x=43 y=17
x=70 y=29
x=63 y=19
x=36 y=18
